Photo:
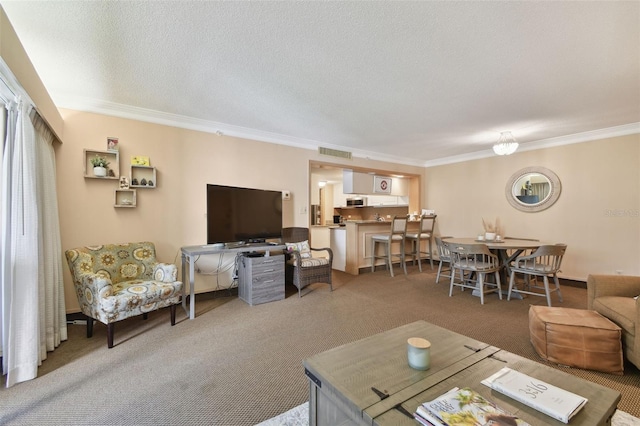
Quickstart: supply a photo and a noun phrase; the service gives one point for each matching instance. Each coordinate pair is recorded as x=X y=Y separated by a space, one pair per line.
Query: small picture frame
x=381 y=185
x=124 y=182
x=112 y=144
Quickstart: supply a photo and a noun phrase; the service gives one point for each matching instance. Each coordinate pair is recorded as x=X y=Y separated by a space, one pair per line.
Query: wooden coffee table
x=369 y=382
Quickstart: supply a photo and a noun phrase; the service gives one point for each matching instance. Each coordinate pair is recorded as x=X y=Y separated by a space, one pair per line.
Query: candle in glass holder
x=418 y=353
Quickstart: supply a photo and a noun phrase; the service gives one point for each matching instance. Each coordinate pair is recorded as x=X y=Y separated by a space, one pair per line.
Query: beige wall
x=597 y=214
x=173 y=214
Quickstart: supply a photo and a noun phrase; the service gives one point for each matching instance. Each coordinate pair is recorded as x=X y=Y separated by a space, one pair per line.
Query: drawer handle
x=268 y=261
x=269 y=270
x=269 y=281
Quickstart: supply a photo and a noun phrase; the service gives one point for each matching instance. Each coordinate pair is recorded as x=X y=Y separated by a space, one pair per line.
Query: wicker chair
x=300 y=268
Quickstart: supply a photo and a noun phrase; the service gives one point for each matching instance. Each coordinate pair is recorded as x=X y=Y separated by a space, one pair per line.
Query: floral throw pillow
x=302 y=247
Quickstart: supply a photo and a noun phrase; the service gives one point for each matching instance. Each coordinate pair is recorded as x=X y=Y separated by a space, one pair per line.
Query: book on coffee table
x=544 y=397
x=464 y=406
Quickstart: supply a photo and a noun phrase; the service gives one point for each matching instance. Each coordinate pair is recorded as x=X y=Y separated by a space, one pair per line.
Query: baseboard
x=573 y=283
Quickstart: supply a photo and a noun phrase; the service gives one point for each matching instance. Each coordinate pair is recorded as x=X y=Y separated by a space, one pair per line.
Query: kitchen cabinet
x=362 y=183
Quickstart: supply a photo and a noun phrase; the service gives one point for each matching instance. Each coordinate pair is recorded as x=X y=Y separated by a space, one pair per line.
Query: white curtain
x=32 y=311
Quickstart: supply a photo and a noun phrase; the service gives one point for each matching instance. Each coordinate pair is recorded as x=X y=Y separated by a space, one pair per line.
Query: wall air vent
x=334 y=152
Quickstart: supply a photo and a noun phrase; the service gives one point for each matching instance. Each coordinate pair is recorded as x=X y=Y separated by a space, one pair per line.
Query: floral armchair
x=117 y=281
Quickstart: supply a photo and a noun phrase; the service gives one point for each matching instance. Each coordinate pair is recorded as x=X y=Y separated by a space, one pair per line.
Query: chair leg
x=499 y=284
x=89 y=327
x=453 y=274
x=511 y=281
x=555 y=280
x=403 y=257
x=173 y=315
x=430 y=254
x=389 y=261
x=481 y=286
x=439 y=271
x=416 y=248
x=373 y=255
x=545 y=280
x=110 y=330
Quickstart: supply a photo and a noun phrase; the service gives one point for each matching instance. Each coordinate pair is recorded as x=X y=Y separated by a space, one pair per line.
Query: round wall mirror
x=533 y=189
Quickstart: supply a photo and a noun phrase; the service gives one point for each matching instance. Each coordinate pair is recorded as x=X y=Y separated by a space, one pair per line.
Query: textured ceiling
x=414 y=82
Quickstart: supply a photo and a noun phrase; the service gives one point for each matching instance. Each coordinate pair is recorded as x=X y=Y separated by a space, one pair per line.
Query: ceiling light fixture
x=322 y=183
x=506 y=145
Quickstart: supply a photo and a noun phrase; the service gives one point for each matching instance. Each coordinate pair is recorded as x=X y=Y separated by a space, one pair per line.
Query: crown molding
x=609 y=132
x=207 y=126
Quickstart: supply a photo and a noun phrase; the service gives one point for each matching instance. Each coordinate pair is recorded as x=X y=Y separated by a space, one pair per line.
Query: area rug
x=299 y=416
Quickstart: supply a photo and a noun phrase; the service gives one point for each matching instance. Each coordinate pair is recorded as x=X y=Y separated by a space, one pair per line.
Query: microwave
x=356 y=202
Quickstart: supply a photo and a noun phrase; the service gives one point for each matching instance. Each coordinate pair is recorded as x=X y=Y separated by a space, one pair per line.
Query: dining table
x=507 y=249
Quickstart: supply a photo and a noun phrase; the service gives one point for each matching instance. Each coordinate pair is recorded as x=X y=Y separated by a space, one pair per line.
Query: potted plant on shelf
x=99 y=166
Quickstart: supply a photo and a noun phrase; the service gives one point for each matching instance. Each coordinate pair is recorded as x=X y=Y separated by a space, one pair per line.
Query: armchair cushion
x=305 y=263
x=621 y=310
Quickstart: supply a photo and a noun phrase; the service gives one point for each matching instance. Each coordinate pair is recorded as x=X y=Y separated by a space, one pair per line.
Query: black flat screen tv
x=243 y=215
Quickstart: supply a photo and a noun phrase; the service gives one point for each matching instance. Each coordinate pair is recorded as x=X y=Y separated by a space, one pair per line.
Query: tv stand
x=191 y=253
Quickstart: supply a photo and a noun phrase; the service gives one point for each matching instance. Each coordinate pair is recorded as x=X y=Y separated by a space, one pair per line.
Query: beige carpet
x=240 y=365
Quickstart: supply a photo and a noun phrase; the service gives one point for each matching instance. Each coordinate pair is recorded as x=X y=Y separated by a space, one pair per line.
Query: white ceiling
x=413 y=82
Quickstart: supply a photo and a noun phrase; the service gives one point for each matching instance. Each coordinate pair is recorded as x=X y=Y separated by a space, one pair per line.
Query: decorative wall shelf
x=142 y=174
x=113 y=170
x=125 y=198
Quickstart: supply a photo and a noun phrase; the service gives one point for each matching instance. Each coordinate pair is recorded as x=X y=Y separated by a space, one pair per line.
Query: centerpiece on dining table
x=491 y=229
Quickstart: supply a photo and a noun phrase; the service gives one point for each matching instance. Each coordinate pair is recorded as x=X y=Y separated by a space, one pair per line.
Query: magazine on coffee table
x=464 y=406
x=548 y=399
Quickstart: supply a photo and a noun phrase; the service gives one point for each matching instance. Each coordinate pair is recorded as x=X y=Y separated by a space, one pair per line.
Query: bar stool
x=398 y=233
x=425 y=231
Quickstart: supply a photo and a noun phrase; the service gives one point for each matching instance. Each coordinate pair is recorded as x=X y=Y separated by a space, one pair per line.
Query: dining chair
x=425 y=233
x=397 y=234
x=511 y=254
x=544 y=262
x=477 y=260
x=444 y=256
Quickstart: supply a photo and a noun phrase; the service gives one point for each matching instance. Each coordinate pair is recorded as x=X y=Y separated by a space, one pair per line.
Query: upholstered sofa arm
x=94 y=286
x=611 y=285
x=165 y=272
